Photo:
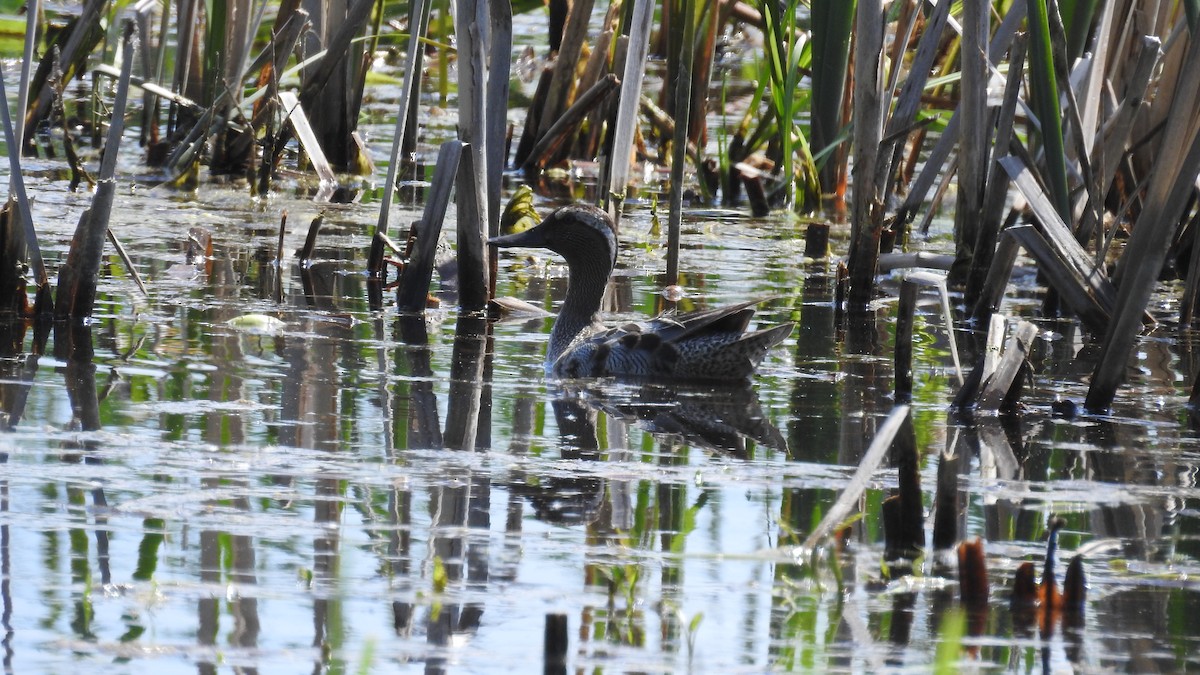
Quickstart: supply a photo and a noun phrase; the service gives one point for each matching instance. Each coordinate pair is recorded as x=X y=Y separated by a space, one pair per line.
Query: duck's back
x=706 y=345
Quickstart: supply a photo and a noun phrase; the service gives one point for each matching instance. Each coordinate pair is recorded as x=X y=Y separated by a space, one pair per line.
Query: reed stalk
x=683 y=102
x=16 y=184
x=33 y=11
x=78 y=276
x=627 y=108
x=418 y=23
x=1171 y=186
x=867 y=218
x=974 y=138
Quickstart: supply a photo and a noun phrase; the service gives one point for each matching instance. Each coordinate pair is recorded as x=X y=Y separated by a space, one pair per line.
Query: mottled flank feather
x=706 y=345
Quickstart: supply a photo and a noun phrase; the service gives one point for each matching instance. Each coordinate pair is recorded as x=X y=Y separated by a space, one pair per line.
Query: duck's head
x=578 y=233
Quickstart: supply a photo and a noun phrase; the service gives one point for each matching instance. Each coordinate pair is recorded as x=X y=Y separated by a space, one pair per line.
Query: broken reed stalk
x=574 y=37
x=991 y=292
x=862 y=476
x=905 y=314
x=293 y=113
x=499 y=69
x=16 y=184
x=627 y=109
x=571 y=119
x=973 y=137
x=555 y=646
x=1174 y=175
x=33 y=10
x=996 y=184
x=473 y=267
x=310 y=240
x=904 y=523
x=414 y=281
x=683 y=102
x=995 y=395
x=946 y=501
x=868 y=132
x=482 y=116
x=279 y=245
x=78 y=275
x=985 y=365
x=411 y=81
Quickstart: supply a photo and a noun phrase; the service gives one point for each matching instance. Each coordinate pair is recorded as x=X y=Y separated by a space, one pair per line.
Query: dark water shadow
x=724 y=419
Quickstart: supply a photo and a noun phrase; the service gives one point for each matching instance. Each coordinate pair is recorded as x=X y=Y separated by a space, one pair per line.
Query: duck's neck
x=585 y=289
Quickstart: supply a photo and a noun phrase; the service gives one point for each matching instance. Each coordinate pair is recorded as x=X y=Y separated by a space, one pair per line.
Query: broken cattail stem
x=571 y=119
x=905 y=315
x=472 y=247
x=904 y=529
x=411 y=82
x=556 y=643
x=998 y=273
x=945 y=502
x=414 y=282
x=310 y=241
x=279 y=245
x=816 y=241
x=996 y=389
x=78 y=275
x=625 y=127
x=756 y=193
x=16 y=183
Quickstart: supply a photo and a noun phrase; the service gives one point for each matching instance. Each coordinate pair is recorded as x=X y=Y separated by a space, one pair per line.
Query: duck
x=706 y=345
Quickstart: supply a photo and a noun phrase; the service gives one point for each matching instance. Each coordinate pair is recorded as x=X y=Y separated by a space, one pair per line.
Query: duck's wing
x=730 y=319
x=707 y=344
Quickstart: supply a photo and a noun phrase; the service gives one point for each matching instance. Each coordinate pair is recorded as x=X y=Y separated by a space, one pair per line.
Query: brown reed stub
x=972 y=575
x=1024 y=601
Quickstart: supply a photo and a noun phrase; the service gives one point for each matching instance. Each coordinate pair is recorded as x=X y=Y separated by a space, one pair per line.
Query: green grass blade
x=1045 y=105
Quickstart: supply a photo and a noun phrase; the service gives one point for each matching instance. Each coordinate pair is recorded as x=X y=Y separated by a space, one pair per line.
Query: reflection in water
x=362 y=491
x=722 y=418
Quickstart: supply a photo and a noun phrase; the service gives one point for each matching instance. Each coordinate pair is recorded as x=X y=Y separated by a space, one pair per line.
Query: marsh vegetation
x=268 y=399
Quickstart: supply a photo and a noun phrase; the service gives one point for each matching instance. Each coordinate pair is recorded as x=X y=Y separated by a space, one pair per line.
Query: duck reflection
x=719 y=418
x=723 y=418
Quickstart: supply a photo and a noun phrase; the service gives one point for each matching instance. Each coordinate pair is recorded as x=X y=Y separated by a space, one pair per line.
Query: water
x=198 y=496
x=179 y=494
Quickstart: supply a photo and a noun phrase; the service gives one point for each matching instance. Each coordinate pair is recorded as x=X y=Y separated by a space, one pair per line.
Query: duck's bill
x=531 y=238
